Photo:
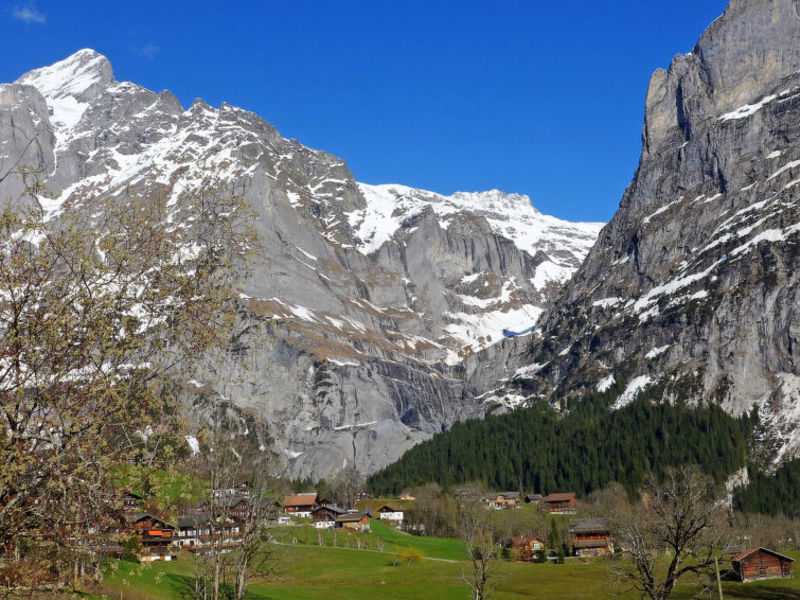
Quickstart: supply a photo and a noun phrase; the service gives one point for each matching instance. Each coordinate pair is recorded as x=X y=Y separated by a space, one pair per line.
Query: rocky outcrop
x=693 y=285
x=368 y=309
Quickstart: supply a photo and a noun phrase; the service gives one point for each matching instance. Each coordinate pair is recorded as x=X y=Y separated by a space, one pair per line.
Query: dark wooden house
x=761 y=563
x=156 y=536
x=356 y=521
x=561 y=503
x=591 y=537
x=130 y=500
x=324 y=517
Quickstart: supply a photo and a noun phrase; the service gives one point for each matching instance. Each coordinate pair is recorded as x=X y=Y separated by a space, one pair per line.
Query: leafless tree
x=240 y=544
x=482 y=545
x=344 y=486
x=681 y=515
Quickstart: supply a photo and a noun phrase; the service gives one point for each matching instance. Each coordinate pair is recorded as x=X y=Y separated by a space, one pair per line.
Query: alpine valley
x=374 y=316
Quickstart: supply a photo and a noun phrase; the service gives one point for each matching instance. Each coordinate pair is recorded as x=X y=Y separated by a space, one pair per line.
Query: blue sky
x=541 y=98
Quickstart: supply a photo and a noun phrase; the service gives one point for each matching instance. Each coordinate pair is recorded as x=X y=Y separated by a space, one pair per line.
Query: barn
x=761 y=563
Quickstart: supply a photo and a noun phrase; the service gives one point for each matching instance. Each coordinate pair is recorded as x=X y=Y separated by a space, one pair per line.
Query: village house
x=193 y=530
x=535 y=498
x=761 y=563
x=390 y=513
x=130 y=500
x=503 y=500
x=560 y=504
x=591 y=537
x=300 y=505
x=324 y=517
x=527 y=546
x=406 y=495
x=156 y=537
x=356 y=521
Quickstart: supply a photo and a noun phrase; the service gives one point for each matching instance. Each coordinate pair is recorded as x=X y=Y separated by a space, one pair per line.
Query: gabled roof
x=508 y=495
x=189 y=521
x=329 y=508
x=387 y=508
x=146 y=516
x=560 y=497
x=590 y=526
x=232 y=501
x=350 y=517
x=742 y=555
x=308 y=499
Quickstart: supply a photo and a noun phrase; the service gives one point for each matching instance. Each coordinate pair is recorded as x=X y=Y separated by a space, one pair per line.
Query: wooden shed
x=761 y=563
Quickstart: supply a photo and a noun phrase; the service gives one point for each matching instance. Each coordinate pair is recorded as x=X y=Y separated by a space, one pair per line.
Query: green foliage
x=540 y=450
x=131 y=548
x=771 y=494
x=408 y=556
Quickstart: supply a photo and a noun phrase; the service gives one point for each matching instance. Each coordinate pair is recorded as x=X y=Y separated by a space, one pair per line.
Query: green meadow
x=309 y=571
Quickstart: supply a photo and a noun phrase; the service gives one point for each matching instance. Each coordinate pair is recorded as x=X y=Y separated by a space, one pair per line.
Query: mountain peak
x=69 y=85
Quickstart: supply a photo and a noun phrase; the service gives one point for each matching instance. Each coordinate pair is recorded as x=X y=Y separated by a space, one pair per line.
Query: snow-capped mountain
x=693 y=287
x=370 y=308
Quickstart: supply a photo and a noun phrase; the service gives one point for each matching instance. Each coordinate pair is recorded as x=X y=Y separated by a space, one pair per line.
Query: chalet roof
x=330 y=508
x=590 y=526
x=146 y=516
x=744 y=554
x=350 y=517
x=190 y=521
x=387 y=508
x=560 y=497
x=509 y=495
x=308 y=499
x=233 y=501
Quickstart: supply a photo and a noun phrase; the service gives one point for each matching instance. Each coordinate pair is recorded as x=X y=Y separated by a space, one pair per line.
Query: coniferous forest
x=540 y=450
x=772 y=493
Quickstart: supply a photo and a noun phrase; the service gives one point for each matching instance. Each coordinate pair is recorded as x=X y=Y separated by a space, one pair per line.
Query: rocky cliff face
x=369 y=309
x=693 y=286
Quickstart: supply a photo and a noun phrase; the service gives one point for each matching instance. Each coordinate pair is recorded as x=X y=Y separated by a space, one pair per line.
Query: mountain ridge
x=352 y=348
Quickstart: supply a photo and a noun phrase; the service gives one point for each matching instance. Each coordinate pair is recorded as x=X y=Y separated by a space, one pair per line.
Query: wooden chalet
x=356 y=521
x=156 y=536
x=527 y=546
x=324 y=517
x=236 y=507
x=503 y=500
x=591 y=537
x=301 y=505
x=130 y=500
x=199 y=531
x=761 y=563
x=561 y=503
x=406 y=495
x=390 y=513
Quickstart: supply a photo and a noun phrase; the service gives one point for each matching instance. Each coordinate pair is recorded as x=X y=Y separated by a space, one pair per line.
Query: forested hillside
x=541 y=450
x=773 y=493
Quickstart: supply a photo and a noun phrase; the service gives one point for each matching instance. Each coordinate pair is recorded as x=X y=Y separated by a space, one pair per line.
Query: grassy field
x=311 y=572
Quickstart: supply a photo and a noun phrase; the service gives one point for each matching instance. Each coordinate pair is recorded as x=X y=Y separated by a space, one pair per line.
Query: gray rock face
x=693 y=286
x=369 y=309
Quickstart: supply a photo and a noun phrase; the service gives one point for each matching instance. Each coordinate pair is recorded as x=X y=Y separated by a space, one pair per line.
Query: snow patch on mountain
x=512 y=216
x=68 y=87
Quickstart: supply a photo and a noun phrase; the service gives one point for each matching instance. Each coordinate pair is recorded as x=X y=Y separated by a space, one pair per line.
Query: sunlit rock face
x=693 y=285
x=372 y=316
